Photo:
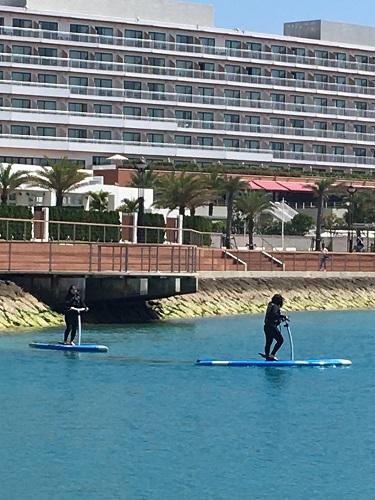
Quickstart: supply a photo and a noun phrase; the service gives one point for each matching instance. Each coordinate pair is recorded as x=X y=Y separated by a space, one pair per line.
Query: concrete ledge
x=282 y=274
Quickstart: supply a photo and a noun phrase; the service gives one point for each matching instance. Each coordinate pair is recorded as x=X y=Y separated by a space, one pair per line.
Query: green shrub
x=154 y=235
x=200 y=224
x=15 y=230
x=80 y=232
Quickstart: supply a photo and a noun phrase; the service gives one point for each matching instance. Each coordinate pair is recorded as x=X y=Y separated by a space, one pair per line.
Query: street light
x=141 y=167
x=351 y=190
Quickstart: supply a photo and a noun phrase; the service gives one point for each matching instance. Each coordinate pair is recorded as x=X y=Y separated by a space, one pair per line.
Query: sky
x=268 y=16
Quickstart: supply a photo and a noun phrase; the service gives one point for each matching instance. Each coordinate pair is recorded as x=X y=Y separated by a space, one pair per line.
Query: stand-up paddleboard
x=321 y=363
x=276 y=364
x=60 y=346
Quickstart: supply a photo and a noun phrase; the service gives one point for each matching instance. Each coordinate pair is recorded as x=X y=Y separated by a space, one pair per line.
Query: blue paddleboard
x=69 y=348
x=276 y=364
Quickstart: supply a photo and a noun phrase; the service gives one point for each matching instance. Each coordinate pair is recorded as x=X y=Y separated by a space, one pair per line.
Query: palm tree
x=181 y=191
x=322 y=190
x=250 y=205
x=99 y=201
x=61 y=177
x=215 y=185
x=10 y=181
x=331 y=224
x=129 y=206
x=143 y=180
x=231 y=186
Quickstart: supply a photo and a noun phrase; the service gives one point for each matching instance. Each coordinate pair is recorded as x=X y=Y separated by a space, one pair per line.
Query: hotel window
x=103 y=56
x=77 y=107
x=340 y=80
x=277 y=146
x=207 y=94
x=183 y=115
x=207 y=42
x=133 y=60
x=321 y=54
x=320 y=125
x=339 y=103
x=321 y=78
x=359 y=128
x=48 y=26
x=360 y=82
x=277 y=122
x=320 y=149
x=231 y=143
x=338 y=126
x=22 y=23
x=297 y=75
x=232 y=68
x=18 y=76
x=252 y=145
x=132 y=111
x=278 y=73
x=47 y=78
x=254 y=47
x=253 y=71
x=206 y=118
x=134 y=34
x=254 y=122
x=46 y=131
x=299 y=51
x=233 y=44
x=277 y=97
x=359 y=151
x=103 y=109
x=185 y=140
x=155 y=112
x=78 y=81
x=297 y=123
x=156 y=138
x=184 y=89
x=80 y=28
x=47 y=105
x=103 y=82
x=78 y=54
x=205 y=141
x=102 y=135
x=21 y=103
x=156 y=61
x=360 y=105
x=21 y=50
x=338 y=150
x=320 y=102
x=130 y=85
x=254 y=96
x=230 y=118
x=157 y=90
x=132 y=137
x=47 y=52
x=278 y=49
x=184 y=39
x=20 y=130
x=233 y=96
x=298 y=99
x=182 y=64
x=340 y=56
x=296 y=147
x=77 y=133
x=361 y=59
x=205 y=66
x=104 y=31
x=157 y=36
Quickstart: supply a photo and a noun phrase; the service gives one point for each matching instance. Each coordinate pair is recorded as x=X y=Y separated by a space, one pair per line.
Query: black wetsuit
x=71 y=317
x=271 y=328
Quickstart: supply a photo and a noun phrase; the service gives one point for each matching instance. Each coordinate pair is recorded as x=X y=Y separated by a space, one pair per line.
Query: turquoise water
x=143 y=423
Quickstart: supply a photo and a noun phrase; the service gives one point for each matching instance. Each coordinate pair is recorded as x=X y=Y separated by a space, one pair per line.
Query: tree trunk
x=251 y=233
x=182 y=211
x=4 y=196
x=318 y=238
x=228 y=234
x=59 y=199
x=192 y=211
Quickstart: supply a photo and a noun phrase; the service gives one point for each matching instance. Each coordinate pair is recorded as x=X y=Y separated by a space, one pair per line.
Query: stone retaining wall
x=230 y=296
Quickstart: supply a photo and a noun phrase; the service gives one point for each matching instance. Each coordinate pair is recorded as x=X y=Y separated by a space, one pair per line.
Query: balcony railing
x=193 y=49
x=185 y=74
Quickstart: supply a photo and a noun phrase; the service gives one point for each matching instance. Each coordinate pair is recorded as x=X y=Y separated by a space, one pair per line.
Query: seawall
x=250 y=295
x=19 y=309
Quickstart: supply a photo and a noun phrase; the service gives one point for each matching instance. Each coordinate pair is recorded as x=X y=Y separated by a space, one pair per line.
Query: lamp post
x=351 y=190
x=141 y=167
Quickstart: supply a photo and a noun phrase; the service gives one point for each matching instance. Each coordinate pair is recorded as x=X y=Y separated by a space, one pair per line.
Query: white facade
x=89 y=85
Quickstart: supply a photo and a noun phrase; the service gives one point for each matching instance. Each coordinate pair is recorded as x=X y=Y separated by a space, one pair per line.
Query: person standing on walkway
x=272 y=322
x=323 y=258
x=72 y=299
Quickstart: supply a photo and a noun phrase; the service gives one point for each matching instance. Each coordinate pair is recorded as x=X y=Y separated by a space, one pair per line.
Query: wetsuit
x=271 y=328
x=71 y=317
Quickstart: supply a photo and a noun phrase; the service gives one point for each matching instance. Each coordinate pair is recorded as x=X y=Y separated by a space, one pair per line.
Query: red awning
x=270 y=186
x=254 y=187
x=284 y=186
x=297 y=187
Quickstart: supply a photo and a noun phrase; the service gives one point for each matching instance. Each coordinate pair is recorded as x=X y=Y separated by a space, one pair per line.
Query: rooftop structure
x=87 y=81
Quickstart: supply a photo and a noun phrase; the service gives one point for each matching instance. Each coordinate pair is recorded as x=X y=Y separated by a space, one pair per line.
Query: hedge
x=15 y=230
x=154 y=235
x=200 y=224
x=79 y=232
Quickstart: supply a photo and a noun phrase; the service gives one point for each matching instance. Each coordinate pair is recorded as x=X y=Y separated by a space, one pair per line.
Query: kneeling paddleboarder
x=272 y=332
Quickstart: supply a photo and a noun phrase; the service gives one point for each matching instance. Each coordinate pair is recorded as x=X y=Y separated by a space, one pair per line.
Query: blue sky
x=268 y=16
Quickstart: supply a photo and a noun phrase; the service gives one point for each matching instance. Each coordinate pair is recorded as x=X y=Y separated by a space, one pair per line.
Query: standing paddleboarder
x=272 y=332
x=72 y=299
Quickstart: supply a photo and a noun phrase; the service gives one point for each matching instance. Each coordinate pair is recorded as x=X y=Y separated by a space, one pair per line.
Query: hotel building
x=91 y=78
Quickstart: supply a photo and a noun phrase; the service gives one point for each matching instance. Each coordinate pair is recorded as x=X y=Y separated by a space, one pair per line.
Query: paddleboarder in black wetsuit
x=72 y=299
x=272 y=332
